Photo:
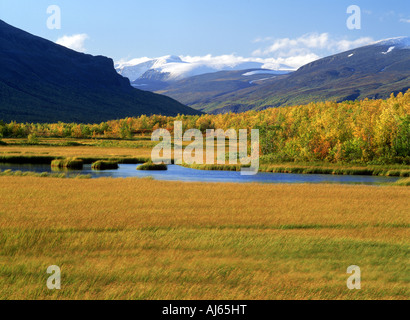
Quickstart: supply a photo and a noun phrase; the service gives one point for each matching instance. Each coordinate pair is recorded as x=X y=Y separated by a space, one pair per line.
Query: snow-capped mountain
x=135 y=68
x=399 y=42
x=373 y=71
x=394 y=43
x=173 y=68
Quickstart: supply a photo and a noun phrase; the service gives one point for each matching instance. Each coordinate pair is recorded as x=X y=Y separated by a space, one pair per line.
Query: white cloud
x=294 y=62
x=279 y=54
x=344 y=45
x=296 y=52
x=232 y=61
x=132 y=62
x=286 y=44
x=187 y=66
x=405 y=20
x=75 y=42
x=306 y=43
x=217 y=62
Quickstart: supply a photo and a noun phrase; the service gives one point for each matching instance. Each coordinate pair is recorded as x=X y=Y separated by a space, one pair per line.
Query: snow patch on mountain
x=251 y=73
x=174 y=68
x=389 y=50
x=399 y=42
x=135 y=68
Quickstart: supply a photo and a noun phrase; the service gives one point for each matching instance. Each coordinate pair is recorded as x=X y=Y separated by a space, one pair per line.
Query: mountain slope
x=41 y=81
x=373 y=71
x=204 y=88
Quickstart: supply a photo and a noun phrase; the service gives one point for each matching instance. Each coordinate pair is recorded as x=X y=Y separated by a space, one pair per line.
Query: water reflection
x=177 y=173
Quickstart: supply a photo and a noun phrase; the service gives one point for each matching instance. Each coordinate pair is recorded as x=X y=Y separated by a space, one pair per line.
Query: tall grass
x=307 y=169
x=150 y=166
x=18 y=173
x=69 y=163
x=340 y=170
x=105 y=165
x=402 y=182
x=144 y=239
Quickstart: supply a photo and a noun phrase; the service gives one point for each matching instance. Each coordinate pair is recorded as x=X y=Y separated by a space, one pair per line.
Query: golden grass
x=77 y=151
x=145 y=239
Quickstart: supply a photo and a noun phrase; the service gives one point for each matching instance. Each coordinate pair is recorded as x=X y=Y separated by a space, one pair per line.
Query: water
x=178 y=173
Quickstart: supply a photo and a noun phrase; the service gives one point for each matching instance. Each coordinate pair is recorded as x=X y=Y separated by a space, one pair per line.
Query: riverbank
x=138 y=151
x=323 y=168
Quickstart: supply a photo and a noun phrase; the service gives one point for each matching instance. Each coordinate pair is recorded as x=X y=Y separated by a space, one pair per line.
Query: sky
x=291 y=32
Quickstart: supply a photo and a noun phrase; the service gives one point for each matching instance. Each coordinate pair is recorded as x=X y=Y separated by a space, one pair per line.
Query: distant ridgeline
x=367 y=131
x=373 y=71
x=41 y=81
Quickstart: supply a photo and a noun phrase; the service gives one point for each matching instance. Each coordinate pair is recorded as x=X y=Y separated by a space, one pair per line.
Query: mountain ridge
x=44 y=82
x=372 y=71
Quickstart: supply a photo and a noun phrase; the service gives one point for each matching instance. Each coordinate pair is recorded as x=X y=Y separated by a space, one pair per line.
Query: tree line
x=367 y=131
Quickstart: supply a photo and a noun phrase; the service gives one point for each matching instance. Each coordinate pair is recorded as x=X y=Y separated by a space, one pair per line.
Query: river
x=178 y=173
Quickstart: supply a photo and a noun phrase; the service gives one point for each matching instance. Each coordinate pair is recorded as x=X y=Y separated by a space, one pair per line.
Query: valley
x=124 y=172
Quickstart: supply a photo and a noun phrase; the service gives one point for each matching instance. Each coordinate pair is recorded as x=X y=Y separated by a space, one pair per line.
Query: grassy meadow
x=80 y=148
x=146 y=239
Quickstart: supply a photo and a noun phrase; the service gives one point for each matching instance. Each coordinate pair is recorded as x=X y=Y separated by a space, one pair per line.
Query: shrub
x=32 y=139
x=2 y=143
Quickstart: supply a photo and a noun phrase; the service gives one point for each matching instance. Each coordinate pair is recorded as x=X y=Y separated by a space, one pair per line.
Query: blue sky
x=126 y=29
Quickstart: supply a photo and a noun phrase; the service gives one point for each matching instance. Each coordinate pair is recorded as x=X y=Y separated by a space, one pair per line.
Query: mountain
x=200 y=90
x=168 y=69
x=136 y=68
x=373 y=71
x=41 y=81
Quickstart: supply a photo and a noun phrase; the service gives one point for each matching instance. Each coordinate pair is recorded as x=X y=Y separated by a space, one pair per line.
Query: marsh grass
x=402 y=182
x=139 y=151
x=69 y=163
x=60 y=148
x=143 y=239
x=19 y=173
x=105 y=165
x=308 y=169
x=216 y=167
x=336 y=171
x=150 y=166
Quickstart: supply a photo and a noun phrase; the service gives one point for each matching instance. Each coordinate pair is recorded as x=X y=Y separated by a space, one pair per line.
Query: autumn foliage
x=368 y=131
